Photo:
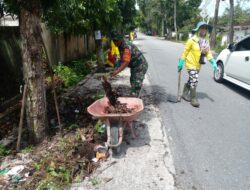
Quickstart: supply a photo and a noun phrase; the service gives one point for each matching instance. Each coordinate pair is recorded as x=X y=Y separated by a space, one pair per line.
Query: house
x=240 y=31
x=9 y=21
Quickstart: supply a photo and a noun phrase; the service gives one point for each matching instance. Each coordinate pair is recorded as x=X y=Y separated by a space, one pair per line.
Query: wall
x=59 y=48
x=10 y=62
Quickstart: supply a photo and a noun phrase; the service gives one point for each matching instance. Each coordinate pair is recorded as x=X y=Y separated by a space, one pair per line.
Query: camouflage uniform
x=138 y=67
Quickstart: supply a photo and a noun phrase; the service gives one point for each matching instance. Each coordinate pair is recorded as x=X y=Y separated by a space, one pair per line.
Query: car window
x=243 y=45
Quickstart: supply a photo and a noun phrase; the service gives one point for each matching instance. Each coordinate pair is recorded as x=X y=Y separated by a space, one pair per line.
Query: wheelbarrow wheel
x=114 y=130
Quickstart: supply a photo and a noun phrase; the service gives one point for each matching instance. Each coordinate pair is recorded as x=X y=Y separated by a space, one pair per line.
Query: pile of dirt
x=119 y=108
x=112 y=95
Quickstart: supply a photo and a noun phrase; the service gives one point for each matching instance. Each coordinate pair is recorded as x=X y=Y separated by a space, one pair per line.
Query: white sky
x=210 y=6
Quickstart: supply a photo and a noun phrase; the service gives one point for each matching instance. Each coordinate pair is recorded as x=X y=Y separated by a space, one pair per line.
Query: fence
x=61 y=48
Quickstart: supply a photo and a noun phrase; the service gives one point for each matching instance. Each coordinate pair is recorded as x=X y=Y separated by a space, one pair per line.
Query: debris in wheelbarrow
x=119 y=108
x=115 y=105
x=111 y=95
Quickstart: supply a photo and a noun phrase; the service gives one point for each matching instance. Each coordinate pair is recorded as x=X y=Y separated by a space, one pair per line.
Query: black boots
x=194 y=102
x=185 y=94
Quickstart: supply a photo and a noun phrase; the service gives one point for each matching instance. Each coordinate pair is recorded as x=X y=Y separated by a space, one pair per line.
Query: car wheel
x=218 y=74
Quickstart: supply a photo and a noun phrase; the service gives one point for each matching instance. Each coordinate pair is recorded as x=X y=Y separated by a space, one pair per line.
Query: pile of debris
x=115 y=105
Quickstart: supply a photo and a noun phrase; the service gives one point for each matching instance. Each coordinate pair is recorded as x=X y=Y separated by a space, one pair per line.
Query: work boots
x=185 y=94
x=194 y=102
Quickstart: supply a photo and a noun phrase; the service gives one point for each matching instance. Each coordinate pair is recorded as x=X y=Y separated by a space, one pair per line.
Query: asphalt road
x=210 y=144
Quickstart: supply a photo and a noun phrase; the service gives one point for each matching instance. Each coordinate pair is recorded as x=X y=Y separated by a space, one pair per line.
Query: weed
x=4 y=151
x=37 y=166
x=99 y=127
x=28 y=149
x=96 y=181
x=73 y=126
x=98 y=96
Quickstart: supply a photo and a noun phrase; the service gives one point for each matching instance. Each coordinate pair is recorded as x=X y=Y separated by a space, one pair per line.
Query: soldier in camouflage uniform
x=132 y=57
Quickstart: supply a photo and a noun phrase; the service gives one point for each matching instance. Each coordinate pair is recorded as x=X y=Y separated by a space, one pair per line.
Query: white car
x=234 y=64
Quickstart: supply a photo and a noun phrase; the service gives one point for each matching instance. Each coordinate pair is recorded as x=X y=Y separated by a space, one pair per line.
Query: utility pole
x=231 y=17
x=213 y=35
x=175 y=26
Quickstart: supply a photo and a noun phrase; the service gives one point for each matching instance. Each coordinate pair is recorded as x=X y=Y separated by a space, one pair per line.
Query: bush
x=73 y=72
x=68 y=76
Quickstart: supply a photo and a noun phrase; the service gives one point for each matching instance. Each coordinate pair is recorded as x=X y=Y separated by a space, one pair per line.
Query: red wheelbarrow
x=116 y=122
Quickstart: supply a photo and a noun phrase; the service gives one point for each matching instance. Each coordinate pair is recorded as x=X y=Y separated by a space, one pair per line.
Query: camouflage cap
x=115 y=36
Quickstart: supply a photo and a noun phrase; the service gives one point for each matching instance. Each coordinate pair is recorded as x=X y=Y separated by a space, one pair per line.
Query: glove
x=213 y=63
x=180 y=64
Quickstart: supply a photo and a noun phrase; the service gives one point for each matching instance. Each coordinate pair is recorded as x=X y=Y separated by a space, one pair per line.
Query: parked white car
x=234 y=64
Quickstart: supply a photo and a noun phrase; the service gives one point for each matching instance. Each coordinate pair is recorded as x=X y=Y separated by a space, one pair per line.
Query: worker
x=196 y=49
x=133 y=58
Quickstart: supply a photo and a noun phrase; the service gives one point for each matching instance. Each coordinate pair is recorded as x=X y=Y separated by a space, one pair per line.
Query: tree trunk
x=213 y=35
x=175 y=25
x=231 y=17
x=30 y=30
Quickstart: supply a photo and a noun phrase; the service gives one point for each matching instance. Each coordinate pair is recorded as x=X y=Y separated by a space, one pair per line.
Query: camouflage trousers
x=137 y=77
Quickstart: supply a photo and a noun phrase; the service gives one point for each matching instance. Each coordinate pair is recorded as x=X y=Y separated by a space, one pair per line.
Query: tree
x=154 y=11
x=30 y=29
x=213 y=35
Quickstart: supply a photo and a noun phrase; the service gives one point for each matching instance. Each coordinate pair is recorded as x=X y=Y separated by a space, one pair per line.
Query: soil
x=112 y=95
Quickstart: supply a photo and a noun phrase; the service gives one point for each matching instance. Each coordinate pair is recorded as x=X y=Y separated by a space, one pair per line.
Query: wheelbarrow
x=116 y=122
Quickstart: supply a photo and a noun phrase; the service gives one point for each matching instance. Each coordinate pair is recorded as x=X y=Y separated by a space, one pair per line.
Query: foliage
x=84 y=16
x=96 y=181
x=48 y=184
x=27 y=149
x=240 y=16
x=159 y=12
x=68 y=76
x=73 y=126
x=73 y=72
x=4 y=151
x=98 y=96
x=99 y=128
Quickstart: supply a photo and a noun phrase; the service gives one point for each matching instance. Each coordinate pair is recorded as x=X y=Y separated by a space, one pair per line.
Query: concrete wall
x=10 y=62
x=59 y=48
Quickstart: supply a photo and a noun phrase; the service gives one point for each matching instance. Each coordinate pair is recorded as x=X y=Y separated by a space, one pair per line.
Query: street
x=210 y=144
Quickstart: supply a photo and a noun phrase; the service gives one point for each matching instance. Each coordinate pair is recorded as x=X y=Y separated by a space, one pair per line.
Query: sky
x=209 y=5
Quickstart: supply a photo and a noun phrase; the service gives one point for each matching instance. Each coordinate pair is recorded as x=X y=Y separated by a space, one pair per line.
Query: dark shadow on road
x=202 y=95
x=241 y=91
x=160 y=95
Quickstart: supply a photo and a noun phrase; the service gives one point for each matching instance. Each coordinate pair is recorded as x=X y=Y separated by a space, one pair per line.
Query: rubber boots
x=185 y=94
x=194 y=102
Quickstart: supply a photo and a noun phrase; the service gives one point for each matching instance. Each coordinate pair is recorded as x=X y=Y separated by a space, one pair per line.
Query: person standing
x=196 y=49
x=133 y=58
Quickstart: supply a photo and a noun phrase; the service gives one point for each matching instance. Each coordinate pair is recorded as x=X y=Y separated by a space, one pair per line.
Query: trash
x=100 y=155
x=107 y=179
x=101 y=151
x=95 y=160
x=4 y=171
x=16 y=178
x=15 y=170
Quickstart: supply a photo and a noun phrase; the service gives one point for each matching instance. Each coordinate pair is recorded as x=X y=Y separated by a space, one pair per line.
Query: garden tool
x=179 y=87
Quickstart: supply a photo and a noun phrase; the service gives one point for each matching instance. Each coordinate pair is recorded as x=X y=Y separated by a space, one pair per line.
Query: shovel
x=173 y=98
x=179 y=87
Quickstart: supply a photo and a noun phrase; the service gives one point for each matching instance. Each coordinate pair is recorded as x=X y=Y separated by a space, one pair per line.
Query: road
x=210 y=144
